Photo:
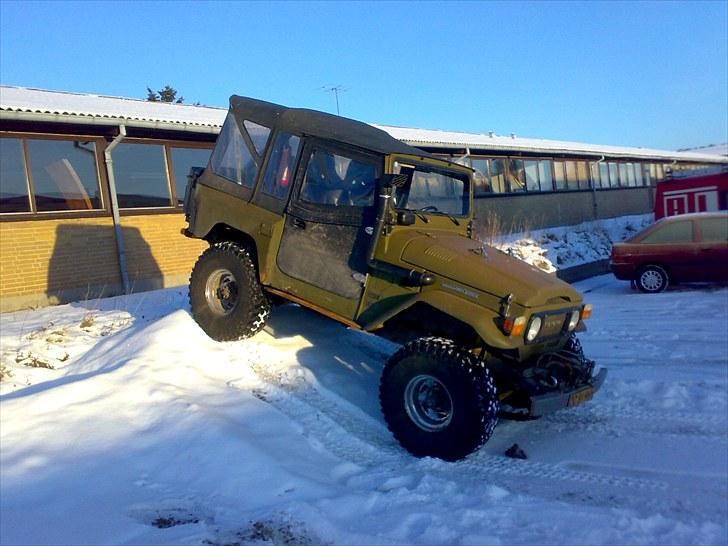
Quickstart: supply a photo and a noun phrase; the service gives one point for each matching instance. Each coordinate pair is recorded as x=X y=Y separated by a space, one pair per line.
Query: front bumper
x=548 y=403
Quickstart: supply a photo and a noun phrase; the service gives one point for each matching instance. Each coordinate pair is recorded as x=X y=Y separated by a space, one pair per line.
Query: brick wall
x=56 y=261
x=52 y=261
x=158 y=255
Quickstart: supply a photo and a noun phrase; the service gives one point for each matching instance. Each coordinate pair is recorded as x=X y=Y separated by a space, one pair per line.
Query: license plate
x=579 y=397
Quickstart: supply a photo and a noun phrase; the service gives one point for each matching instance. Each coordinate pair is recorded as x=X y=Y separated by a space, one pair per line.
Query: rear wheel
x=438 y=399
x=652 y=279
x=226 y=298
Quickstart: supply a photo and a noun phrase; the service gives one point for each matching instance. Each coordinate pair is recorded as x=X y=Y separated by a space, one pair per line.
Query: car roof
x=322 y=125
x=693 y=215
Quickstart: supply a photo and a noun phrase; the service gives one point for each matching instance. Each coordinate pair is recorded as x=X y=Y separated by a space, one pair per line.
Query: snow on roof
x=39 y=104
x=492 y=142
x=25 y=103
x=712 y=149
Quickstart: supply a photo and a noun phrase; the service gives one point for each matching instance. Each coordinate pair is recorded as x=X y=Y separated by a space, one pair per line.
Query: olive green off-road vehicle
x=340 y=217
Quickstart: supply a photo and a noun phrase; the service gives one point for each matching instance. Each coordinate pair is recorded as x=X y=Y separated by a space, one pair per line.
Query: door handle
x=298 y=223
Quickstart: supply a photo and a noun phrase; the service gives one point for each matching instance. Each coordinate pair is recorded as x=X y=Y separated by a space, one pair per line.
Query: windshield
x=429 y=189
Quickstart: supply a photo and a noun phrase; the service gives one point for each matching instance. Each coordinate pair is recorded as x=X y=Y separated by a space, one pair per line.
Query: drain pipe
x=595 y=207
x=120 y=246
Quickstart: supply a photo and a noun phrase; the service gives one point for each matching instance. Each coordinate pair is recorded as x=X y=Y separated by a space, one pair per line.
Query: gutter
x=120 y=246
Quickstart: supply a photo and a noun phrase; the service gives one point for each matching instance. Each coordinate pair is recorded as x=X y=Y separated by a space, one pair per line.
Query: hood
x=487 y=269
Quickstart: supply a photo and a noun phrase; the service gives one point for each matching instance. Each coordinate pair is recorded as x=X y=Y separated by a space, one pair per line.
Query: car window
x=675 y=232
x=714 y=229
x=281 y=164
x=333 y=179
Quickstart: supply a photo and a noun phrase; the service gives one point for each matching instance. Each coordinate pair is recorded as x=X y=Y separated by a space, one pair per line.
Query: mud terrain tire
x=438 y=399
x=226 y=298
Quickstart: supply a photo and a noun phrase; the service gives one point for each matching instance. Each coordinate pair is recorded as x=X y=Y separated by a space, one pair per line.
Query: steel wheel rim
x=651 y=280
x=428 y=403
x=221 y=292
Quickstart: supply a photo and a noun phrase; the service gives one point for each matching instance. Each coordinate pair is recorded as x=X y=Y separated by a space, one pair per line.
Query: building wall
x=54 y=261
x=514 y=213
x=158 y=255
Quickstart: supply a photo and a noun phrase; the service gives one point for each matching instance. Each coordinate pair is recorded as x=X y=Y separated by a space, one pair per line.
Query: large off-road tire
x=652 y=279
x=226 y=298
x=438 y=399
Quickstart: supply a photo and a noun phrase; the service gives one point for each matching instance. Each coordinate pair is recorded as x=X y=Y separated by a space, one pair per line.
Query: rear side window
x=236 y=159
x=282 y=162
x=676 y=232
x=714 y=229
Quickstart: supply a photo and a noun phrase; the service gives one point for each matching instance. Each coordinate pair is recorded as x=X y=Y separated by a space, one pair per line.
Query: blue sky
x=651 y=74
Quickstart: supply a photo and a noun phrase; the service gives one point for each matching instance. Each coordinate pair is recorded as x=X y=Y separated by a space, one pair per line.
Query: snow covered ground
x=562 y=247
x=145 y=431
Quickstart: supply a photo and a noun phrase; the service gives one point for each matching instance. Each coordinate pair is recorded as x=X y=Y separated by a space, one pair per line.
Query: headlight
x=573 y=321
x=533 y=329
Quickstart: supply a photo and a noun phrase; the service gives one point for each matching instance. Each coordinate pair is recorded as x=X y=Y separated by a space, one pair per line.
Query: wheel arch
x=222 y=232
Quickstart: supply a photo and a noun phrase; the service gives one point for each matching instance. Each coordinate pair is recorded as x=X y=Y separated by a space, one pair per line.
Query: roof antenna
x=335 y=89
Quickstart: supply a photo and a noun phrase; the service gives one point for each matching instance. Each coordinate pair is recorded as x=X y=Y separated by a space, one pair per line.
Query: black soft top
x=320 y=124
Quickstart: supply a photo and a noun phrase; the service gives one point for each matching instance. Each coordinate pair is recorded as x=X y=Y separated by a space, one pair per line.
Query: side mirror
x=406 y=218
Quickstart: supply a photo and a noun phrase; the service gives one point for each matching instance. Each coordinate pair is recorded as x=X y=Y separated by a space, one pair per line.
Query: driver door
x=325 y=238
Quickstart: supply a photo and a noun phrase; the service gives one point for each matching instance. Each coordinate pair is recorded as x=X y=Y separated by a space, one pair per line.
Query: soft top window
x=236 y=159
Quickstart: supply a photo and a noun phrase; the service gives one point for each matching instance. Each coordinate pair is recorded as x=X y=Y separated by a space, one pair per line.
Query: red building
x=696 y=194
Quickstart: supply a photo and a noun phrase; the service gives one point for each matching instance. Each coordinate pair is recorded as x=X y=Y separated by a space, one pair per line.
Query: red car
x=684 y=248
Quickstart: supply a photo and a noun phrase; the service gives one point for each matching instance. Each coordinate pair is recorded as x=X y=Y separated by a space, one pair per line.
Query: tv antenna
x=335 y=89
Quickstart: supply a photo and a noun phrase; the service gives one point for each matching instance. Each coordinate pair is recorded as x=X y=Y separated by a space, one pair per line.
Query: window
x=64 y=175
x=258 y=134
x=232 y=159
x=560 y=175
x=432 y=191
x=604 y=174
x=544 y=174
x=594 y=172
x=13 y=181
x=631 y=181
x=613 y=175
x=571 y=175
x=638 y=174
x=675 y=232
x=183 y=159
x=481 y=176
x=282 y=163
x=497 y=175
x=531 y=171
x=517 y=176
x=646 y=174
x=714 y=229
x=623 y=177
x=582 y=173
x=333 y=179
x=140 y=171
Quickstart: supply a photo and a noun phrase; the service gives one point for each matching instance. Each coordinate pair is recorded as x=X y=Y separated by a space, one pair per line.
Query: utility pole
x=335 y=89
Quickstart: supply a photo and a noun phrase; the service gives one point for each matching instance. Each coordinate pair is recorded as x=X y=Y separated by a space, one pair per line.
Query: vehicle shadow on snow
x=346 y=362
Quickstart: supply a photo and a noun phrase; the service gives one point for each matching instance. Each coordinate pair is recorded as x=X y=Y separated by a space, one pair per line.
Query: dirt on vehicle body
x=340 y=217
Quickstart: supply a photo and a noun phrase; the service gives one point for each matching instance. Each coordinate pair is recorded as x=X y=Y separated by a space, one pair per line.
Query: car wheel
x=438 y=399
x=226 y=298
x=652 y=279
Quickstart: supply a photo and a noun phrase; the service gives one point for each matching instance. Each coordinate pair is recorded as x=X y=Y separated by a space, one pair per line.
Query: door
x=329 y=221
x=712 y=255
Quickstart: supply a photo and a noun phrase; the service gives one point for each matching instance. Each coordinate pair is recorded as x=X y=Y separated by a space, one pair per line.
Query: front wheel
x=652 y=279
x=226 y=298
x=438 y=399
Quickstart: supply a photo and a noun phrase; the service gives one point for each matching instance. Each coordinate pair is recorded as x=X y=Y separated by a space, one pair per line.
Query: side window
x=13 y=182
x=282 y=162
x=337 y=180
x=676 y=232
x=714 y=229
x=141 y=176
x=183 y=159
x=232 y=158
x=64 y=175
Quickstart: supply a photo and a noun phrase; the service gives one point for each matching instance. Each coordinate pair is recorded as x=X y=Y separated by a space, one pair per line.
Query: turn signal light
x=586 y=312
x=514 y=326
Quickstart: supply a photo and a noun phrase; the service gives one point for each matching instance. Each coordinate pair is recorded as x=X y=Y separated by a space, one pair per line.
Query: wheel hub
x=651 y=280
x=428 y=403
x=221 y=291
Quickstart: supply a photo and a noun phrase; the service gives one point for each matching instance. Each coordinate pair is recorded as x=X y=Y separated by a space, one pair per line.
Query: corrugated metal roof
x=29 y=104
x=61 y=106
x=483 y=143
